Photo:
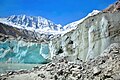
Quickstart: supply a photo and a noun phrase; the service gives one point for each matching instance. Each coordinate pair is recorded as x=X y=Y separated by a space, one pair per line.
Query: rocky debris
x=10 y=72
x=21 y=71
x=41 y=75
x=103 y=67
x=35 y=68
x=96 y=70
x=112 y=49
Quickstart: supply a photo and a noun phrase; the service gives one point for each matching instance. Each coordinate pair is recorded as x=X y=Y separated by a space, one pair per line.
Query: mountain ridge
x=42 y=25
x=32 y=23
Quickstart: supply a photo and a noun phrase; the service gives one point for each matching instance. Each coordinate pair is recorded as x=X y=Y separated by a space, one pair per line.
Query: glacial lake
x=4 y=67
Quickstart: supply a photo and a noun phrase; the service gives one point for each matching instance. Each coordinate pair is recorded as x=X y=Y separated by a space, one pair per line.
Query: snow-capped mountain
x=42 y=25
x=32 y=23
x=73 y=25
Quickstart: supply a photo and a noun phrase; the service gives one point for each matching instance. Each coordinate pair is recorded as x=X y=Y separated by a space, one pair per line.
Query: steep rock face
x=91 y=37
x=13 y=32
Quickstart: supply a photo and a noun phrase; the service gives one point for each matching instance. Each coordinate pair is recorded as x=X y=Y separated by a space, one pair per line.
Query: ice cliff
x=14 y=51
x=89 y=39
x=22 y=46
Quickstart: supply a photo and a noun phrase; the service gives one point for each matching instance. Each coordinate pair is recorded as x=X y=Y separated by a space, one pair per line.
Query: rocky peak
x=113 y=7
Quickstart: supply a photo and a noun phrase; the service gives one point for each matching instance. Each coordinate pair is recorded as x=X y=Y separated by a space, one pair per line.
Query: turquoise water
x=4 y=67
x=17 y=55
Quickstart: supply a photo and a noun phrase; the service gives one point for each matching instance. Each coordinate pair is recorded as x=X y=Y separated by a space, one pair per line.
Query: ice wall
x=89 y=39
x=18 y=51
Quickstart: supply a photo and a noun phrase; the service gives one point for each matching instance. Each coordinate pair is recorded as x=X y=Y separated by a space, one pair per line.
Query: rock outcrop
x=113 y=7
x=7 y=31
x=90 y=39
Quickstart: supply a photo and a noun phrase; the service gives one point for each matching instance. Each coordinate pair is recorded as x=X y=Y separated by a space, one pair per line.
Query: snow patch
x=73 y=25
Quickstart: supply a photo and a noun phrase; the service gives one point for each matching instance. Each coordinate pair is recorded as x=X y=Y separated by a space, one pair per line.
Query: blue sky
x=58 y=11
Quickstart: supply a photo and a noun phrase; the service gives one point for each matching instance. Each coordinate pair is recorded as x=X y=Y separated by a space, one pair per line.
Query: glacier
x=13 y=51
x=30 y=41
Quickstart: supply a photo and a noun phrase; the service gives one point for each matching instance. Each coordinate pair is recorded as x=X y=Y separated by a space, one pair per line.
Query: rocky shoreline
x=103 y=67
